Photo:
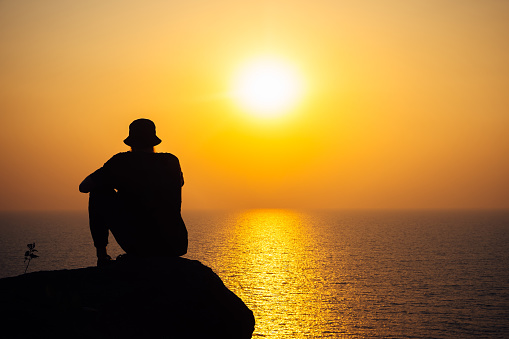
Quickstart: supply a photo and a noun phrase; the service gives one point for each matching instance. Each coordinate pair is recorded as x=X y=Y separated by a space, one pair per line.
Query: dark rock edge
x=134 y=298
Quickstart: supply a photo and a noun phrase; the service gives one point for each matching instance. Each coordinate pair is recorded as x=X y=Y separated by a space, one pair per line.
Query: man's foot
x=123 y=257
x=104 y=261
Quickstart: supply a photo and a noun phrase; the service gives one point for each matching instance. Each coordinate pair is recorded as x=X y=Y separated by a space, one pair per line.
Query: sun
x=267 y=87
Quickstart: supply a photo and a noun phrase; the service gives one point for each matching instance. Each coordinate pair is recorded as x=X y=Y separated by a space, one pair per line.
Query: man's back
x=145 y=181
x=148 y=201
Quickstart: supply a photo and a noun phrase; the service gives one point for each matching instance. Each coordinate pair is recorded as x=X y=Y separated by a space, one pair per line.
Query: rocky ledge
x=133 y=298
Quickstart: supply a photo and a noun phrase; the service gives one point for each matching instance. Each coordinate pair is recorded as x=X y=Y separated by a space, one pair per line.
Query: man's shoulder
x=168 y=159
x=119 y=156
x=168 y=155
x=130 y=156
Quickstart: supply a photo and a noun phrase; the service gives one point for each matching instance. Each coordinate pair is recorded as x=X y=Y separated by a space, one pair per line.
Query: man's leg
x=122 y=230
x=102 y=207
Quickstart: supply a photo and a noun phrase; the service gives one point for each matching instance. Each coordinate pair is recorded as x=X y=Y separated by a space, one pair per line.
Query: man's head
x=142 y=134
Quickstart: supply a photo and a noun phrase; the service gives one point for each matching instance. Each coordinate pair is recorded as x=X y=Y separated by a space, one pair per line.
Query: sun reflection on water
x=279 y=281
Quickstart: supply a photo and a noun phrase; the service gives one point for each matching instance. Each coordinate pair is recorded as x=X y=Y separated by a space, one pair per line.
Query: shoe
x=104 y=261
x=122 y=257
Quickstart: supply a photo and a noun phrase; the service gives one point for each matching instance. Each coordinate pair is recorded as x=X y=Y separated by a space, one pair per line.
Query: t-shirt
x=149 y=192
x=144 y=180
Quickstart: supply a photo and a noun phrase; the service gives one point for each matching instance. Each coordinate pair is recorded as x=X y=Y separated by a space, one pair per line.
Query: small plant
x=29 y=255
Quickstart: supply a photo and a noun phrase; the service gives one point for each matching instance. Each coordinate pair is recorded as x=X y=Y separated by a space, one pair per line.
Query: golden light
x=267 y=87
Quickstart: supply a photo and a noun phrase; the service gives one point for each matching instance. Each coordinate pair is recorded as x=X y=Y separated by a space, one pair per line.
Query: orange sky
x=406 y=103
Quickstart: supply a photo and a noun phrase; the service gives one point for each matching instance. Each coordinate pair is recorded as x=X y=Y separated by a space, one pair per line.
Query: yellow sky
x=406 y=103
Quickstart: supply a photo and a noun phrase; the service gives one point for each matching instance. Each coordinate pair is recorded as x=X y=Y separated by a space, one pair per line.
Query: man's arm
x=98 y=180
x=88 y=184
x=99 y=234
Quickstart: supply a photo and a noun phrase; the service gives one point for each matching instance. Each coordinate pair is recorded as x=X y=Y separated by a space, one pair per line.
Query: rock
x=132 y=298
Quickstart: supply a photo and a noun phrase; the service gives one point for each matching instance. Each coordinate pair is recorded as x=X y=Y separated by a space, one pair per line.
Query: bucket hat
x=142 y=133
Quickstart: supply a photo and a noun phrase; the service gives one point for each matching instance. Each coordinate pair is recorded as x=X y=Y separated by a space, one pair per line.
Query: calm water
x=324 y=274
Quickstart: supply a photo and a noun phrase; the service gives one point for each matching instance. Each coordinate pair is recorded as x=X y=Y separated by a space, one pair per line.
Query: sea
x=322 y=274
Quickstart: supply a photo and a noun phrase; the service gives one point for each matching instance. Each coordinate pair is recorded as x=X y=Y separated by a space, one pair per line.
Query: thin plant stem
x=26 y=268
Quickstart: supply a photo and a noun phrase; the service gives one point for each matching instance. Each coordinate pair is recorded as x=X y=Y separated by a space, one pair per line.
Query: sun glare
x=267 y=87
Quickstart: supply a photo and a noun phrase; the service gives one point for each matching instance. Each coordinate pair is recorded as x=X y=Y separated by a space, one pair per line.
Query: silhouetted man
x=137 y=195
